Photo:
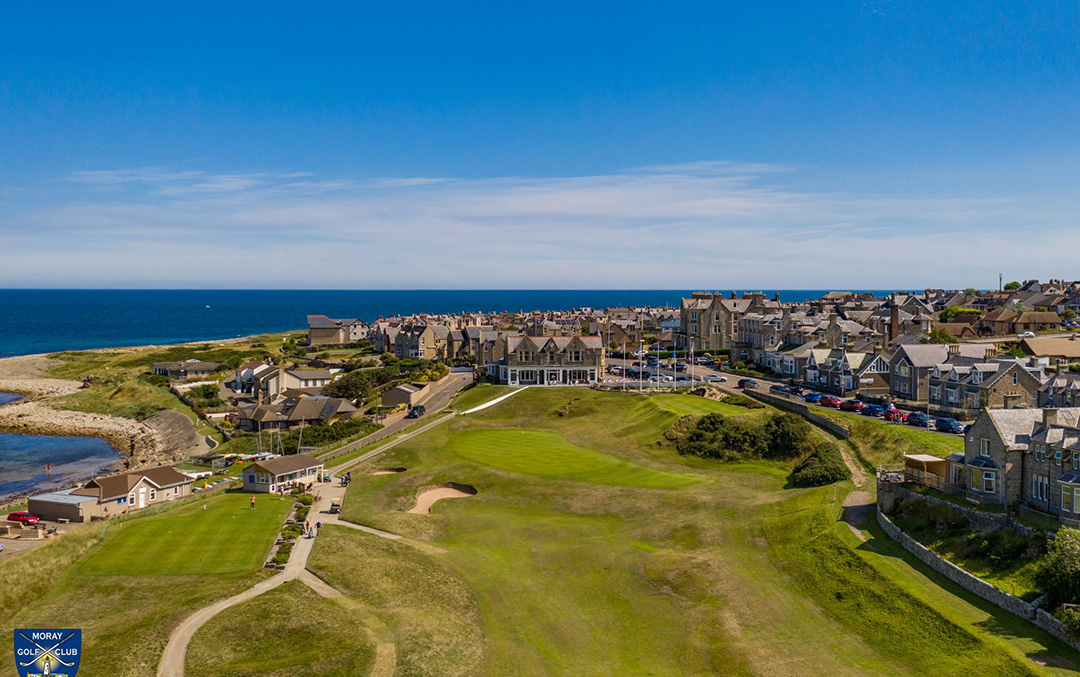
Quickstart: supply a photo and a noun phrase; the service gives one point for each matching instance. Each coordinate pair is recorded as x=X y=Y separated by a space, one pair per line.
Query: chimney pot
x=1049 y=417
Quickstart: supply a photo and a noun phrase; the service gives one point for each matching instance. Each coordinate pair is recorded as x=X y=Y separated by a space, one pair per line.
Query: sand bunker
x=428 y=497
x=391 y=471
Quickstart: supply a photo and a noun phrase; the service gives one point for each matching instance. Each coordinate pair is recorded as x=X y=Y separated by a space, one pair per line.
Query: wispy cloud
x=676 y=226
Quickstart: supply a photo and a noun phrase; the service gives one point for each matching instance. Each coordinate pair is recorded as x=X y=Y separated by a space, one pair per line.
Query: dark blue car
x=949 y=425
x=873 y=410
x=779 y=389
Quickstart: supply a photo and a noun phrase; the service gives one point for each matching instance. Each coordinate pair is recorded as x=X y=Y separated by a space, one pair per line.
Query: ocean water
x=52 y=320
x=74 y=459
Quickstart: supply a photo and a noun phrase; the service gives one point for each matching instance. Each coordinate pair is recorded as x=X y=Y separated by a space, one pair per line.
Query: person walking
x=318 y=528
x=252 y=502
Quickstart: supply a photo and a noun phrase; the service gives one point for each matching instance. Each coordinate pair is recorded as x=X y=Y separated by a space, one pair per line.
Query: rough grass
x=547 y=454
x=878 y=442
x=297 y=634
x=553 y=576
x=475 y=395
x=803 y=543
x=224 y=538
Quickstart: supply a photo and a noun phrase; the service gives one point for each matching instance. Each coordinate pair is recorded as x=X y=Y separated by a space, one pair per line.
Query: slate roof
x=282 y=465
x=112 y=486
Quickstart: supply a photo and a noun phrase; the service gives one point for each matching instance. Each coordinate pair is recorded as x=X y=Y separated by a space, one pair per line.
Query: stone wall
x=1053 y=626
x=889 y=493
x=974 y=584
x=801 y=409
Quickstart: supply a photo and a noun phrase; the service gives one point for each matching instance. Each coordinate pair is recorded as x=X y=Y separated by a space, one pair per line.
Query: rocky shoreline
x=137 y=443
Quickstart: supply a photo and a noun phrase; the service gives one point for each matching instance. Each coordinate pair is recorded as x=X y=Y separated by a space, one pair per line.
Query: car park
x=949 y=425
x=851 y=405
x=812 y=397
x=872 y=410
x=830 y=401
x=917 y=418
x=23 y=517
x=747 y=383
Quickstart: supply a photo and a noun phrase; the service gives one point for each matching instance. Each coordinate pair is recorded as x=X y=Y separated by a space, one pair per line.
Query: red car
x=895 y=415
x=852 y=405
x=23 y=517
x=830 y=401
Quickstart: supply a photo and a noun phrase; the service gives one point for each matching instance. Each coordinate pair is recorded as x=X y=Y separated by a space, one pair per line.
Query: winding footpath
x=175 y=654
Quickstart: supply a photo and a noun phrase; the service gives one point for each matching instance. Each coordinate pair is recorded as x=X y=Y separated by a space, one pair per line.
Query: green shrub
x=307 y=499
x=291 y=532
x=302 y=513
x=743 y=401
x=824 y=465
x=731 y=438
x=1058 y=574
x=1070 y=618
x=282 y=555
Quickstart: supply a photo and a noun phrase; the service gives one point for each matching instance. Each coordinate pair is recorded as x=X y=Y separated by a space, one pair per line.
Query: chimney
x=954 y=349
x=894 y=320
x=733 y=293
x=776 y=297
x=1049 y=417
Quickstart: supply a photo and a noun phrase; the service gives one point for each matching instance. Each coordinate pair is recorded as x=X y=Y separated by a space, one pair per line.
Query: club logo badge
x=47 y=653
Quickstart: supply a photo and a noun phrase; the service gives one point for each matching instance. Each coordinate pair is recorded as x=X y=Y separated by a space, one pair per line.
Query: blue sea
x=52 y=320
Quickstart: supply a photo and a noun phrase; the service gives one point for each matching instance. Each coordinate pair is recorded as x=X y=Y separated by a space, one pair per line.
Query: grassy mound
x=535 y=452
x=878 y=442
x=297 y=634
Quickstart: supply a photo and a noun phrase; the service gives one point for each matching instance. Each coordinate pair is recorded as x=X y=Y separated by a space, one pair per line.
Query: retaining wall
x=974 y=584
x=801 y=409
x=889 y=493
x=1053 y=626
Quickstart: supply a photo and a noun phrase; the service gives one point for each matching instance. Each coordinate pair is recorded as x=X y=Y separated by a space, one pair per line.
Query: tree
x=1068 y=314
x=971 y=291
x=353 y=386
x=1058 y=574
x=939 y=335
x=1012 y=286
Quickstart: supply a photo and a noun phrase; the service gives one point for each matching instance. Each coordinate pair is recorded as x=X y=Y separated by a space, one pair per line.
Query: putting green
x=535 y=452
x=225 y=538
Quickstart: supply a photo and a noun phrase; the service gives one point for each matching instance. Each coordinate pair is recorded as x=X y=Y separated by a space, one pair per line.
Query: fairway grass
x=548 y=576
x=226 y=537
x=547 y=454
x=287 y=632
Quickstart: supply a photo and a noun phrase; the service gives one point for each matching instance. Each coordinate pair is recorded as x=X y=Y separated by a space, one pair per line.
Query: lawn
x=226 y=537
x=684 y=405
x=475 y=395
x=82 y=580
x=298 y=634
x=541 y=574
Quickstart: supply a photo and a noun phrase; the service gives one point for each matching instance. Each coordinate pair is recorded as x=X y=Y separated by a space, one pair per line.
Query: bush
x=306 y=499
x=291 y=532
x=743 y=401
x=779 y=437
x=824 y=465
x=1058 y=574
x=1070 y=618
x=206 y=391
x=282 y=555
x=302 y=513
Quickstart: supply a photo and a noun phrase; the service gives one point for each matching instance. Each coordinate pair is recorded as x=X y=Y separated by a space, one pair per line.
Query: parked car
x=1026 y=334
x=895 y=415
x=949 y=425
x=852 y=405
x=917 y=418
x=680 y=366
x=23 y=518
x=705 y=362
x=746 y=383
x=795 y=390
x=872 y=410
x=779 y=389
x=615 y=369
x=812 y=397
x=715 y=378
x=830 y=401
x=638 y=364
x=416 y=412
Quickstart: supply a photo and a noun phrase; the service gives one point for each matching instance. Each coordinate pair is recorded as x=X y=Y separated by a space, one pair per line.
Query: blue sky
x=507 y=145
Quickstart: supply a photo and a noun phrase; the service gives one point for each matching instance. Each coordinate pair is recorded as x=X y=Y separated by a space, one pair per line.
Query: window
x=131 y=497
x=974 y=484
x=153 y=494
x=1016 y=378
x=122 y=500
x=1040 y=453
x=988 y=481
x=1066 y=499
x=984 y=447
x=1076 y=461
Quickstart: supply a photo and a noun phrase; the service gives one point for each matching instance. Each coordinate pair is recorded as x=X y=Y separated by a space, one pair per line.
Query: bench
x=63 y=520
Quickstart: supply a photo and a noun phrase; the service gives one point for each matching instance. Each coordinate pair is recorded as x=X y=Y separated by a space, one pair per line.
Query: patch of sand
x=427 y=498
x=390 y=471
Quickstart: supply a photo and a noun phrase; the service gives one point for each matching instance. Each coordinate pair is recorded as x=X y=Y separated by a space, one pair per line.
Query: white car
x=715 y=378
x=1026 y=334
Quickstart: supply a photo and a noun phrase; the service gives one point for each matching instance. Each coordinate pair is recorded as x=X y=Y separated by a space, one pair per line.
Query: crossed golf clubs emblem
x=47 y=653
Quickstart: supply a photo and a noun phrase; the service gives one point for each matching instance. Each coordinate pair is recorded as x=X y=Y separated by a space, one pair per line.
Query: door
x=142 y=497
